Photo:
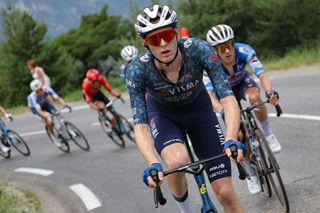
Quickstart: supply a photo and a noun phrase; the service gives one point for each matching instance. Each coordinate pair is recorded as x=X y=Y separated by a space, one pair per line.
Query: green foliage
x=272 y=27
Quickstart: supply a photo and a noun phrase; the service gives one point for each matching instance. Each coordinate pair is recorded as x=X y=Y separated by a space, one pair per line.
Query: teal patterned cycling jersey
x=144 y=77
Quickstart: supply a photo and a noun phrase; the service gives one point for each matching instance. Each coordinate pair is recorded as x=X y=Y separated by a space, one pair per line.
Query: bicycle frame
x=3 y=128
x=118 y=124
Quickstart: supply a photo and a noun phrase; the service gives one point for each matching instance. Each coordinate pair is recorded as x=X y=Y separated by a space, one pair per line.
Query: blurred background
x=68 y=37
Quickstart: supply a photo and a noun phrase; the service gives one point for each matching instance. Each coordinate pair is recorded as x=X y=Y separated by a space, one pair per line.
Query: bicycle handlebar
x=114 y=100
x=157 y=193
x=61 y=108
x=250 y=108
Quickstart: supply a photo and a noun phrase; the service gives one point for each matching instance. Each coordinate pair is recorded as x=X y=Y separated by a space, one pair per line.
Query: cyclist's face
x=226 y=52
x=163 y=43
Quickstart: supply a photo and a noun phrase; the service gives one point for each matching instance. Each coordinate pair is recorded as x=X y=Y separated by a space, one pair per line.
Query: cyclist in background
x=127 y=54
x=234 y=57
x=91 y=90
x=8 y=116
x=38 y=73
x=170 y=72
x=41 y=104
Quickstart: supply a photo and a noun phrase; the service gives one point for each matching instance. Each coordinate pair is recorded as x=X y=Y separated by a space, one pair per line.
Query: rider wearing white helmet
x=168 y=100
x=234 y=57
x=41 y=104
x=127 y=53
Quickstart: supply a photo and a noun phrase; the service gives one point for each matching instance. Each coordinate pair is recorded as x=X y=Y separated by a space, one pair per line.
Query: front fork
x=207 y=205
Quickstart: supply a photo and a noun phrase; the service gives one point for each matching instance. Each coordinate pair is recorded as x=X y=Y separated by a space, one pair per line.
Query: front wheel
x=4 y=154
x=77 y=137
x=112 y=132
x=127 y=128
x=273 y=172
x=64 y=144
x=18 y=143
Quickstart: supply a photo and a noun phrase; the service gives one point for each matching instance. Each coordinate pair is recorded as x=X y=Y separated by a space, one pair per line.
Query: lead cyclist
x=170 y=73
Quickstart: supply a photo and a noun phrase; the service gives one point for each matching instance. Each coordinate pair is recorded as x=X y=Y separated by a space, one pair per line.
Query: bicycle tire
x=262 y=173
x=273 y=172
x=64 y=144
x=128 y=132
x=20 y=145
x=85 y=145
x=110 y=131
x=5 y=155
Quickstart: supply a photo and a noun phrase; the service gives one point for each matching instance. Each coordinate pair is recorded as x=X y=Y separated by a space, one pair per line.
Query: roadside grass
x=295 y=58
x=15 y=199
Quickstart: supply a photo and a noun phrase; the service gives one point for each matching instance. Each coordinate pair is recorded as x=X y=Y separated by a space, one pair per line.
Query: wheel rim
x=274 y=174
x=18 y=143
x=112 y=133
x=77 y=137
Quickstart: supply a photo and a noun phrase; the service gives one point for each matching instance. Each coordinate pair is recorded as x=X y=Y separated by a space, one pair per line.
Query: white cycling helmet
x=35 y=84
x=155 y=17
x=129 y=52
x=219 y=34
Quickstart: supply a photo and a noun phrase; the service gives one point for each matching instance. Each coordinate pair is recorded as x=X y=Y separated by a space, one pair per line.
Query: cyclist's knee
x=175 y=156
x=226 y=194
x=100 y=105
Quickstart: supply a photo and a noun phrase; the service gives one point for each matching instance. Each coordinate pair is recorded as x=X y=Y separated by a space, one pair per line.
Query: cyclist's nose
x=163 y=42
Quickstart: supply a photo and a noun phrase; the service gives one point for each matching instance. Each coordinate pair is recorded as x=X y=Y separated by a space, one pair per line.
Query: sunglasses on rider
x=155 y=39
x=221 y=48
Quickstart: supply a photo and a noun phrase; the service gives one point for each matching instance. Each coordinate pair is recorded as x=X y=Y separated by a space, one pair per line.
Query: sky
x=61 y=15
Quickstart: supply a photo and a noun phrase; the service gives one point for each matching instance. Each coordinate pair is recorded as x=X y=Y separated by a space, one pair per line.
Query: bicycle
x=116 y=125
x=66 y=131
x=262 y=158
x=196 y=168
x=11 y=138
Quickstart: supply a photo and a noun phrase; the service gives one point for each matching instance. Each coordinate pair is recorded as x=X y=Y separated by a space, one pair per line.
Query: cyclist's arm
x=108 y=87
x=40 y=75
x=265 y=82
x=217 y=106
x=144 y=142
x=2 y=110
x=232 y=117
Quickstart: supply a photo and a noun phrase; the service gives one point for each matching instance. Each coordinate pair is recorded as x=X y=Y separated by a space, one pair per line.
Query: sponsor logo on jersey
x=220 y=134
x=187 y=43
x=161 y=94
x=214 y=58
x=184 y=88
x=154 y=129
x=244 y=50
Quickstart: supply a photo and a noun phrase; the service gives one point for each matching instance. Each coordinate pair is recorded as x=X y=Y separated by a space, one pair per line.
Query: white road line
x=32 y=133
x=86 y=195
x=297 y=116
x=42 y=172
x=95 y=124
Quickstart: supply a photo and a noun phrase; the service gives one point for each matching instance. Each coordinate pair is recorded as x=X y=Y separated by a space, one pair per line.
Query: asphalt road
x=113 y=174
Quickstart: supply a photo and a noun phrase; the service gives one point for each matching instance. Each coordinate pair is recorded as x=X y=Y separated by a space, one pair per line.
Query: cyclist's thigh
x=36 y=114
x=164 y=132
x=99 y=96
x=207 y=140
x=48 y=107
x=248 y=86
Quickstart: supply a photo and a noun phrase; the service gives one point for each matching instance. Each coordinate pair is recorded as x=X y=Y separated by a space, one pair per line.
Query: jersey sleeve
x=104 y=83
x=85 y=91
x=52 y=93
x=137 y=90
x=251 y=57
x=32 y=102
x=210 y=62
x=207 y=83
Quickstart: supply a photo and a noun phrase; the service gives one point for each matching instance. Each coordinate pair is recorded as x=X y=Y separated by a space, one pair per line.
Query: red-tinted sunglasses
x=155 y=40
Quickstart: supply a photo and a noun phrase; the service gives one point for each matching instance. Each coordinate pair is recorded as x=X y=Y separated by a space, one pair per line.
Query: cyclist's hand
x=147 y=177
x=240 y=152
x=273 y=97
x=67 y=105
x=120 y=97
x=8 y=116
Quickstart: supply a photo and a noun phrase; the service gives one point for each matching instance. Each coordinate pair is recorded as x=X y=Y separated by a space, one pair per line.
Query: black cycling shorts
x=170 y=124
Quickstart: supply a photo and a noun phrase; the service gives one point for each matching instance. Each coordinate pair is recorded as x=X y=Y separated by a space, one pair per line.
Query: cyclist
x=234 y=58
x=92 y=94
x=170 y=72
x=8 y=116
x=127 y=54
x=38 y=73
x=41 y=104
